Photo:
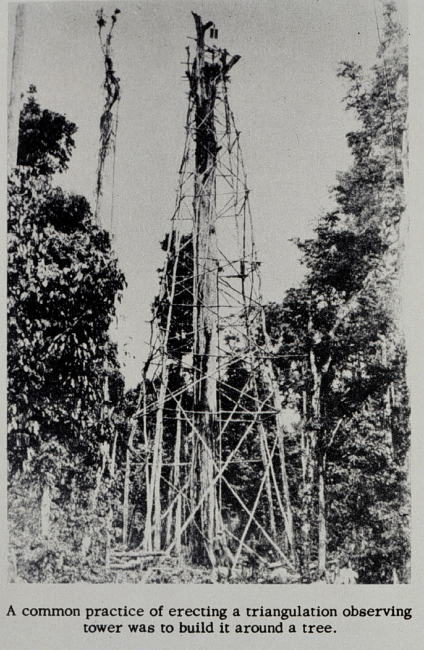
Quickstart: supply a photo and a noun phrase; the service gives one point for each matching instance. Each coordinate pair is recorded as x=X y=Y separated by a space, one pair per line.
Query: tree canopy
x=63 y=283
x=346 y=376
x=45 y=138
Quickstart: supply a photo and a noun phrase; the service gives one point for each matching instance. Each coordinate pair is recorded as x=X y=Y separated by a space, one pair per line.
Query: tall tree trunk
x=14 y=104
x=322 y=525
x=388 y=402
x=147 y=537
x=307 y=505
x=317 y=460
x=45 y=510
x=126 y=504
x=126 y=498
x=205 y=292
x=310 y=469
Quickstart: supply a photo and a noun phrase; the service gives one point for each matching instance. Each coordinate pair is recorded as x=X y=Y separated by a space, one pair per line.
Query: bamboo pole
x=154 y=505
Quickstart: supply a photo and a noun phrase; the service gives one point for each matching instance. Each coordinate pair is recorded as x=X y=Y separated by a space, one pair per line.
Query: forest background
x=312 y=250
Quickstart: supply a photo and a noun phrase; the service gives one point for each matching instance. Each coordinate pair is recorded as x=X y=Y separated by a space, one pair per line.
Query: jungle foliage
x=79 y=446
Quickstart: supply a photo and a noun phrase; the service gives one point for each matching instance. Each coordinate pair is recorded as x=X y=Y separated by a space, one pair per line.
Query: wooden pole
x=147 y=538
x=127 y=484
x=177 y=483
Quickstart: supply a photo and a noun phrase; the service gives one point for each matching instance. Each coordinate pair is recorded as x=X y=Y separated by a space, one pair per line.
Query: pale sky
x=284 y=93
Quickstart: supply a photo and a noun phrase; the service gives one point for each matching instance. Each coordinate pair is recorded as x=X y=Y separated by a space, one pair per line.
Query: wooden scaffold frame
x=201 y=427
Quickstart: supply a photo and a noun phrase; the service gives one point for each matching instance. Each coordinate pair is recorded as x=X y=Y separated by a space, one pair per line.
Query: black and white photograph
x=207 y=367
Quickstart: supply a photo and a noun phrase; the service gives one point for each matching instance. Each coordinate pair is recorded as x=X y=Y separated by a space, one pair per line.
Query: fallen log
x=128 y=565
x=139 y=553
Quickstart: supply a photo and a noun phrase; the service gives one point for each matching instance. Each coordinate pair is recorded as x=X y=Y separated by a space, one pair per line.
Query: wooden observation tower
x=211 y=419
